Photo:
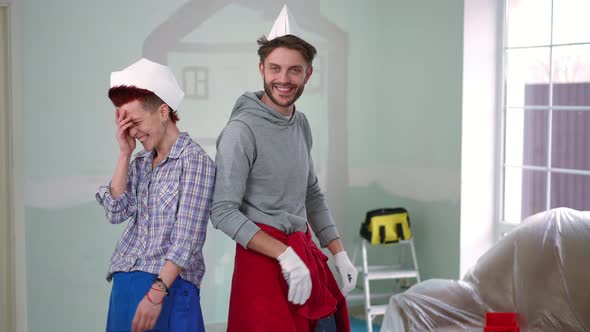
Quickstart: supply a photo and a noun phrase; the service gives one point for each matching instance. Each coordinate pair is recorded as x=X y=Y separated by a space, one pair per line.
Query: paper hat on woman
x=284 y=25
x=149 y=75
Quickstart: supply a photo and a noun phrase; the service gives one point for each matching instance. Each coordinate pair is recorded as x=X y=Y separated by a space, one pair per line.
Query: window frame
x=505 y=226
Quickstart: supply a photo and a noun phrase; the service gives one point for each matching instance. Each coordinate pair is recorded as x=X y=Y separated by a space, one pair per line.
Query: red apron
x=258 y=301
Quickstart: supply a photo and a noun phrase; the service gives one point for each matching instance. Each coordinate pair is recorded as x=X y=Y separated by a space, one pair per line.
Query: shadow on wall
x=201 y=44
x=196 y=62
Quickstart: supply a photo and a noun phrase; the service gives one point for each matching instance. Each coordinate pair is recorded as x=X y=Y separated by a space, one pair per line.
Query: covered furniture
x=540 y=270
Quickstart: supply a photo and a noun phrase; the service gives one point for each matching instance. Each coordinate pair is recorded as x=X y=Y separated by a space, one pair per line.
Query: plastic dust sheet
x=541 y=270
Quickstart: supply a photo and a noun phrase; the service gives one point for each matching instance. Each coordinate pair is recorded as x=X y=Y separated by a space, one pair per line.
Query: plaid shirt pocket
x=167 y=194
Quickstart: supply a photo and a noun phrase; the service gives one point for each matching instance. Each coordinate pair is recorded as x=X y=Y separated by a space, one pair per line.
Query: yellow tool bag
x=387 y=225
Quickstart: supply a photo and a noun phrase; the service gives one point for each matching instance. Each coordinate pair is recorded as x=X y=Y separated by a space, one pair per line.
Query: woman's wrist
x=125 y=156
x=155 y=296
x=160 y=285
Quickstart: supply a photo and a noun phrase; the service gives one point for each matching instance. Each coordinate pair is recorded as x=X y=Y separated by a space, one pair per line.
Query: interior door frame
x=16 y=142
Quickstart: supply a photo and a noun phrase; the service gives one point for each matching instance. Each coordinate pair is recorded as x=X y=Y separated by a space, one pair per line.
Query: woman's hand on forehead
x=120 y=114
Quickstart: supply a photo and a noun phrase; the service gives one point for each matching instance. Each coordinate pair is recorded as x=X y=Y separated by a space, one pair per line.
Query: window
x=546 y=112
x=195 y=81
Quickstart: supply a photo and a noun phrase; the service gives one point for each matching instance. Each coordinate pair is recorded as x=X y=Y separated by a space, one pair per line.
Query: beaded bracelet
x=162 y=285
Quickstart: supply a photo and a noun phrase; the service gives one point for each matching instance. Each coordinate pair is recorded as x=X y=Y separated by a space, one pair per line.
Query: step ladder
x=384 y=272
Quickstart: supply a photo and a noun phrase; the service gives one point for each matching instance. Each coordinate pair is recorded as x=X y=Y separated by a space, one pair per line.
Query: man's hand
x=297 y=276
x=348 y=273
x=147 y=313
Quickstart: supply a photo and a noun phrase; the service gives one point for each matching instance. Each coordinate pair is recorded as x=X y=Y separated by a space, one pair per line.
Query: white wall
x=480 y=128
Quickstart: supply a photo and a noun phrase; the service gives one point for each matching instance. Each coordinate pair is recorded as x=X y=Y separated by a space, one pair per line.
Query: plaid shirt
x=169 y=208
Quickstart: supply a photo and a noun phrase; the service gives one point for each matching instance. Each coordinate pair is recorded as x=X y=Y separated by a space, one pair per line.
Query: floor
x=358 y=325
x=327 y=325
x=357 y=321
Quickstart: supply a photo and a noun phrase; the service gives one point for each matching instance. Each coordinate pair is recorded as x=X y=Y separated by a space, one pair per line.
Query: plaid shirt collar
x=181 y=143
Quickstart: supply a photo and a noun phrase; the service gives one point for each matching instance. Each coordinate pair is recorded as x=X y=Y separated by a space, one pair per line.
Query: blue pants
x=181 y=311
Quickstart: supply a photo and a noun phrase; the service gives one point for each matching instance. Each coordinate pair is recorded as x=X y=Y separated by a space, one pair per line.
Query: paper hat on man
x=148 y=75
x=284 y=25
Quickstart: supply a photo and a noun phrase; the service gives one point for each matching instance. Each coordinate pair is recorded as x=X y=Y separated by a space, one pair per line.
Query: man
x=266 y=192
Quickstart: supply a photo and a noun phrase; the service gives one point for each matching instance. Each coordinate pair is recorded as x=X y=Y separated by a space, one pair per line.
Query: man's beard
x=268 y=90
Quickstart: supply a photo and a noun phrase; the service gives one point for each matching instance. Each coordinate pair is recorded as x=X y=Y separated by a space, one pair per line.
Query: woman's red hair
x=121 y=95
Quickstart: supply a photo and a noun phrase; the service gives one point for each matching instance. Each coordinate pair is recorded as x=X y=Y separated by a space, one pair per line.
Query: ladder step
x=360 y=297
x=380 y=267
x=376 y=310
x=382 y=274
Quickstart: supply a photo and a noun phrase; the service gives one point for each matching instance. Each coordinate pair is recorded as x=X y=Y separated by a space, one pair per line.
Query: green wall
x=405 y=119
x=421 y=123
x=401 y=130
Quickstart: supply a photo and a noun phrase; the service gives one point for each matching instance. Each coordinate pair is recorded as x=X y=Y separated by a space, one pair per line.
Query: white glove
x=297 y=276
x=347 y=272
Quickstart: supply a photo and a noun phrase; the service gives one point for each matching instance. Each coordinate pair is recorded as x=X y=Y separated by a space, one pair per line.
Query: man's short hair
x=307 y=50
x=122 y=94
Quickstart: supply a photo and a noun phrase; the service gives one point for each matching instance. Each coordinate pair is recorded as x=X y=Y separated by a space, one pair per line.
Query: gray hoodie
x=265 y=175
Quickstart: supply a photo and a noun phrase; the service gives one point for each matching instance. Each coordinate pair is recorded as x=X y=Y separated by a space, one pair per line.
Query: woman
x=165 y=192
